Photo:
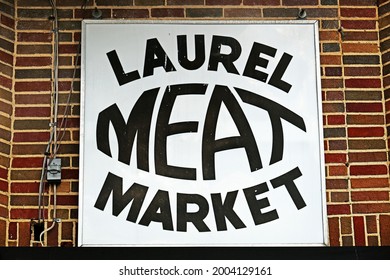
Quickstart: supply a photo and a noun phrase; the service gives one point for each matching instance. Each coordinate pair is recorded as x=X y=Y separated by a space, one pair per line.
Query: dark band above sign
x=201 y=133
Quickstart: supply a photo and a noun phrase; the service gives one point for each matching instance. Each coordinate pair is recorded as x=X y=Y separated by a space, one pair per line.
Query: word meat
x=138 y=127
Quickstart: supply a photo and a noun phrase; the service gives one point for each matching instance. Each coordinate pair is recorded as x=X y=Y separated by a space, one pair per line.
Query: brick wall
x=7 y=35
x=357 y=171
x=384 y=34
x=352 y=51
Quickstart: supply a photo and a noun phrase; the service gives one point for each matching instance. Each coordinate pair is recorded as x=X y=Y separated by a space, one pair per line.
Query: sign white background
x=100 y=89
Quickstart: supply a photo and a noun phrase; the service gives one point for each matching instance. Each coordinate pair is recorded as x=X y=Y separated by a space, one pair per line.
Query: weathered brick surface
x=355 y=67
x=7 y=45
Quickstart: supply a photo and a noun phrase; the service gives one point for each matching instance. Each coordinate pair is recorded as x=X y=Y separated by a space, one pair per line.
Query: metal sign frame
x=120 y=206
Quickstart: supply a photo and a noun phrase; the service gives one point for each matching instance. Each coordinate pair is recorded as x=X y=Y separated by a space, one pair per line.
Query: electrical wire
x=51 y=145
x=54 y=217
x=55 y=99
x=41 y=181
x=64 y=121
x=63 y=125
x=57 y=133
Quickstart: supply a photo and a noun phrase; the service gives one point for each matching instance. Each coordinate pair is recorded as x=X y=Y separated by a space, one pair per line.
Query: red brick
x=369 y=183
x=7 y=21
x=4 y=211
x=367 y=157
x=32 y=98
x=27 y=162
x=32 y=111
x=336 y=184
x=365 y=119
x=3 y=186
x=25 y=213
x=66 y=244
x=52 y=236
x=262 y=2
x=336 y=119
x=360 y=48
x=334 y=234
x=338 y=170
x=164 y=13
x=204 y=12
x=34 y=49
x=13 y=230
x=242 y=12
x=360 y=36
x=3 y=230
x=3 y=172
x=69 y=200
x=24 y=234
x=70 y=174
x=358 y=12
x=366 y=144
x=359 y=232
x=34 y=37
x=333 y=107
x=373 y=241
x=368 y=170
x=371 y=224
x=366 y=131
x=299 y=2
x=70 y=122
x=346 y=225
x=68 y=48
x=359 y=24
x=371 y=208
x=5 y=82
x=3 y=199
x=339 y=209
x=363 y=83
x=223 y=2
x=21 y=187
x=362 y=71
x=31 y=136
x=67 y=231
x=28 y=149
x=339 y=197
x=75 y=135
x=33 y=61
x=130 y=13
x=7 y=58
x=22 y=174
x=330 y=60
x=370 y=196
x=358 y=3
x=335 y=158
x=364 y=107
x=334 y=95
x=333 y=71
x=33 y=86
x=384 y=223
x=332 y=83
x=347 y=241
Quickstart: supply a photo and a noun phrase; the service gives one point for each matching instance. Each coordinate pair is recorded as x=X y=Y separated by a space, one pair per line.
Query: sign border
x=326 y=241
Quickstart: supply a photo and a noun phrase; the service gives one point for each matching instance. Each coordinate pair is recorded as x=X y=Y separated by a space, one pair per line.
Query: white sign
x=201 y=133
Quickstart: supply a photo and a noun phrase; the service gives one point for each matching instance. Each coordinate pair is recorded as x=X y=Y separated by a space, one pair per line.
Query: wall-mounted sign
x=201 y=133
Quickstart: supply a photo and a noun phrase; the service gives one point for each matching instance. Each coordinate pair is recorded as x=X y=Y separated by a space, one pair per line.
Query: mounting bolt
x=302 y=14
x=97 y=13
